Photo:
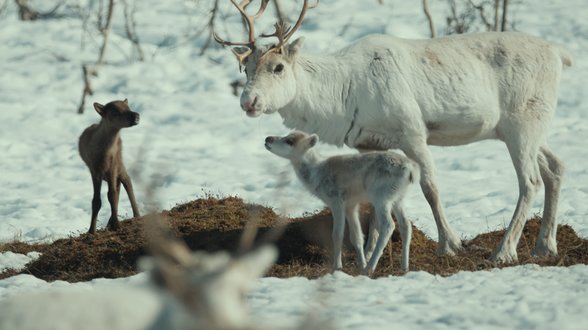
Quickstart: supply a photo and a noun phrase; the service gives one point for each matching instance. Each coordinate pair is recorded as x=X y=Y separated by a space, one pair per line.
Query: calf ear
x=99 y=108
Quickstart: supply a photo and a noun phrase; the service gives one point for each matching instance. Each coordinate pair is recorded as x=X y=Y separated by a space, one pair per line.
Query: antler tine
x=248 y=20
x=283 y=32
x=228 y=43
x=261 y=8
x=279 y=33
x=305 y=7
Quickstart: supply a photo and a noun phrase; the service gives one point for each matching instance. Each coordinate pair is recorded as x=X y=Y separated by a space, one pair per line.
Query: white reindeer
x=195 y=291
x=342 y=182
x=384 y=92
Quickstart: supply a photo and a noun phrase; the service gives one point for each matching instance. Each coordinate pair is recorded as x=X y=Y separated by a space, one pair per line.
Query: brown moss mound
x=213 y=224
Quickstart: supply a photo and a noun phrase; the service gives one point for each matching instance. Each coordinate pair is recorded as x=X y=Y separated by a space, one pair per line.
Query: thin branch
x=481 y=11
x=504 y=11
x=26 y=13
x=92 y=70
x=429 y=18
x=87 y=70
x=106 y=31
x=496 y=17
x=213 y=14
x=131 y=28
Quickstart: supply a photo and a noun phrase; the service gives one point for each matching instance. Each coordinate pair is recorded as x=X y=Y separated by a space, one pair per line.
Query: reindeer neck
x=306 y=165
x=107 y=134
x=321 y=104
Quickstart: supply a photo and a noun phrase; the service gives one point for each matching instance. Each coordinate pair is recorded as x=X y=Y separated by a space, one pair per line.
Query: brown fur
x=100 y=147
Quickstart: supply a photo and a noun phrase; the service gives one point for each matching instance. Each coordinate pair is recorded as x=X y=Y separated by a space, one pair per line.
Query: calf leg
x=113 y=193
x=337 y=234
x=128 y=185
x=551 y=169
x=405 y=234
x=96 y=202
x=372 y=238
x=356 y=234
x=385 y=228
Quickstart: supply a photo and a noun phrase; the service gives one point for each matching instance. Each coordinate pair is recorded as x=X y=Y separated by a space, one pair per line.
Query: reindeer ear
x=313 y=139
x=126 y=101
x=99 y=108
x=293 y=47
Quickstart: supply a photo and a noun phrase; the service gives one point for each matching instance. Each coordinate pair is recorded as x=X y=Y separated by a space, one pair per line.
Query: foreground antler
x=284 y=33
x=249 y=20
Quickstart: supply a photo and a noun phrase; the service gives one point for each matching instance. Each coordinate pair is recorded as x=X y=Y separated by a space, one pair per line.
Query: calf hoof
x=113 y=226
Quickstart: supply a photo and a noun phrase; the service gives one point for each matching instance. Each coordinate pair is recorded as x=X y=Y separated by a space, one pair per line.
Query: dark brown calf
x=100 y=147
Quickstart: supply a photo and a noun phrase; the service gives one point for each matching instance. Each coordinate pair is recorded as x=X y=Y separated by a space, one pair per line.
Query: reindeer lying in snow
x=195 y=291
x=342 y=182
x=100 y=147
x=384 y=92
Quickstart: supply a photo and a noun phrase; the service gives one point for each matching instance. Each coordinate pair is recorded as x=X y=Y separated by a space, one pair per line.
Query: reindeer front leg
x=96 y=202
x=113 y=193
x=449 y=243
x=128 y=185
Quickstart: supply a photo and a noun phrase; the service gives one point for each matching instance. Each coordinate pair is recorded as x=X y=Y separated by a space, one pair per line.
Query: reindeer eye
x=289 y=142
x=279 y=68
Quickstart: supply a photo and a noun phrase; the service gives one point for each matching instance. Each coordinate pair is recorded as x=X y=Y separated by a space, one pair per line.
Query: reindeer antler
x=249 y=20
x=283 y=33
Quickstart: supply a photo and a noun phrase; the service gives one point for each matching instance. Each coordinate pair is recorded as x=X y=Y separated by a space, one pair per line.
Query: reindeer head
x=292 y=146
x=271 y=83
x=210 y=287
x=117 y=114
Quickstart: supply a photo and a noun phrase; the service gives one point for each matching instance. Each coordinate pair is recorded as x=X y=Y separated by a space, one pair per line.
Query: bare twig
x=105 y=30
x=130 y=28
x=496 y=19
x=92 y=70
x=504 y=10
x=429 y=18
x=26 y=13
x=87 y=70
x=213 y=14
x=482 y=13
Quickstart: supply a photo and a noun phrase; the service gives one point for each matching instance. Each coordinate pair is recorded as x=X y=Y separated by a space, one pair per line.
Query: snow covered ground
x=193 y=139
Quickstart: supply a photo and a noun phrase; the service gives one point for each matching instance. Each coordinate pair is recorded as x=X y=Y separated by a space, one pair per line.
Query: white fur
x=384 y=92
x=206 y=291
x=342 y=182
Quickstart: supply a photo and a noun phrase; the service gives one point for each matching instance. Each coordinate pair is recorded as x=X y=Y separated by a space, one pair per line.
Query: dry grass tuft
x=217 y=224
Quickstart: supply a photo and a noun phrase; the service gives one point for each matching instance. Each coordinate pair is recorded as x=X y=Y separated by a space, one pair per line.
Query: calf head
x=117 y=114
x=292 y=146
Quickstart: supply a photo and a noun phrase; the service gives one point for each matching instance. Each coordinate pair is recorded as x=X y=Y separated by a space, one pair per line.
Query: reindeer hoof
x=114 y=226
x=501 y=256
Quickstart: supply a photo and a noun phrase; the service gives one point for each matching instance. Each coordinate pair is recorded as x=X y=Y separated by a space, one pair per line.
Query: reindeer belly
x=447 y=134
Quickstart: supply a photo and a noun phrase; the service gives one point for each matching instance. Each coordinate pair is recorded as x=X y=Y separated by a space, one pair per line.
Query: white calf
x=342 y=182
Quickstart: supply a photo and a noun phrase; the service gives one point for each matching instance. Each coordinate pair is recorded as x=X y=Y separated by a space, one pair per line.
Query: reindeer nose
x=136 y=118
x=249 y=105
x=269 y=139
